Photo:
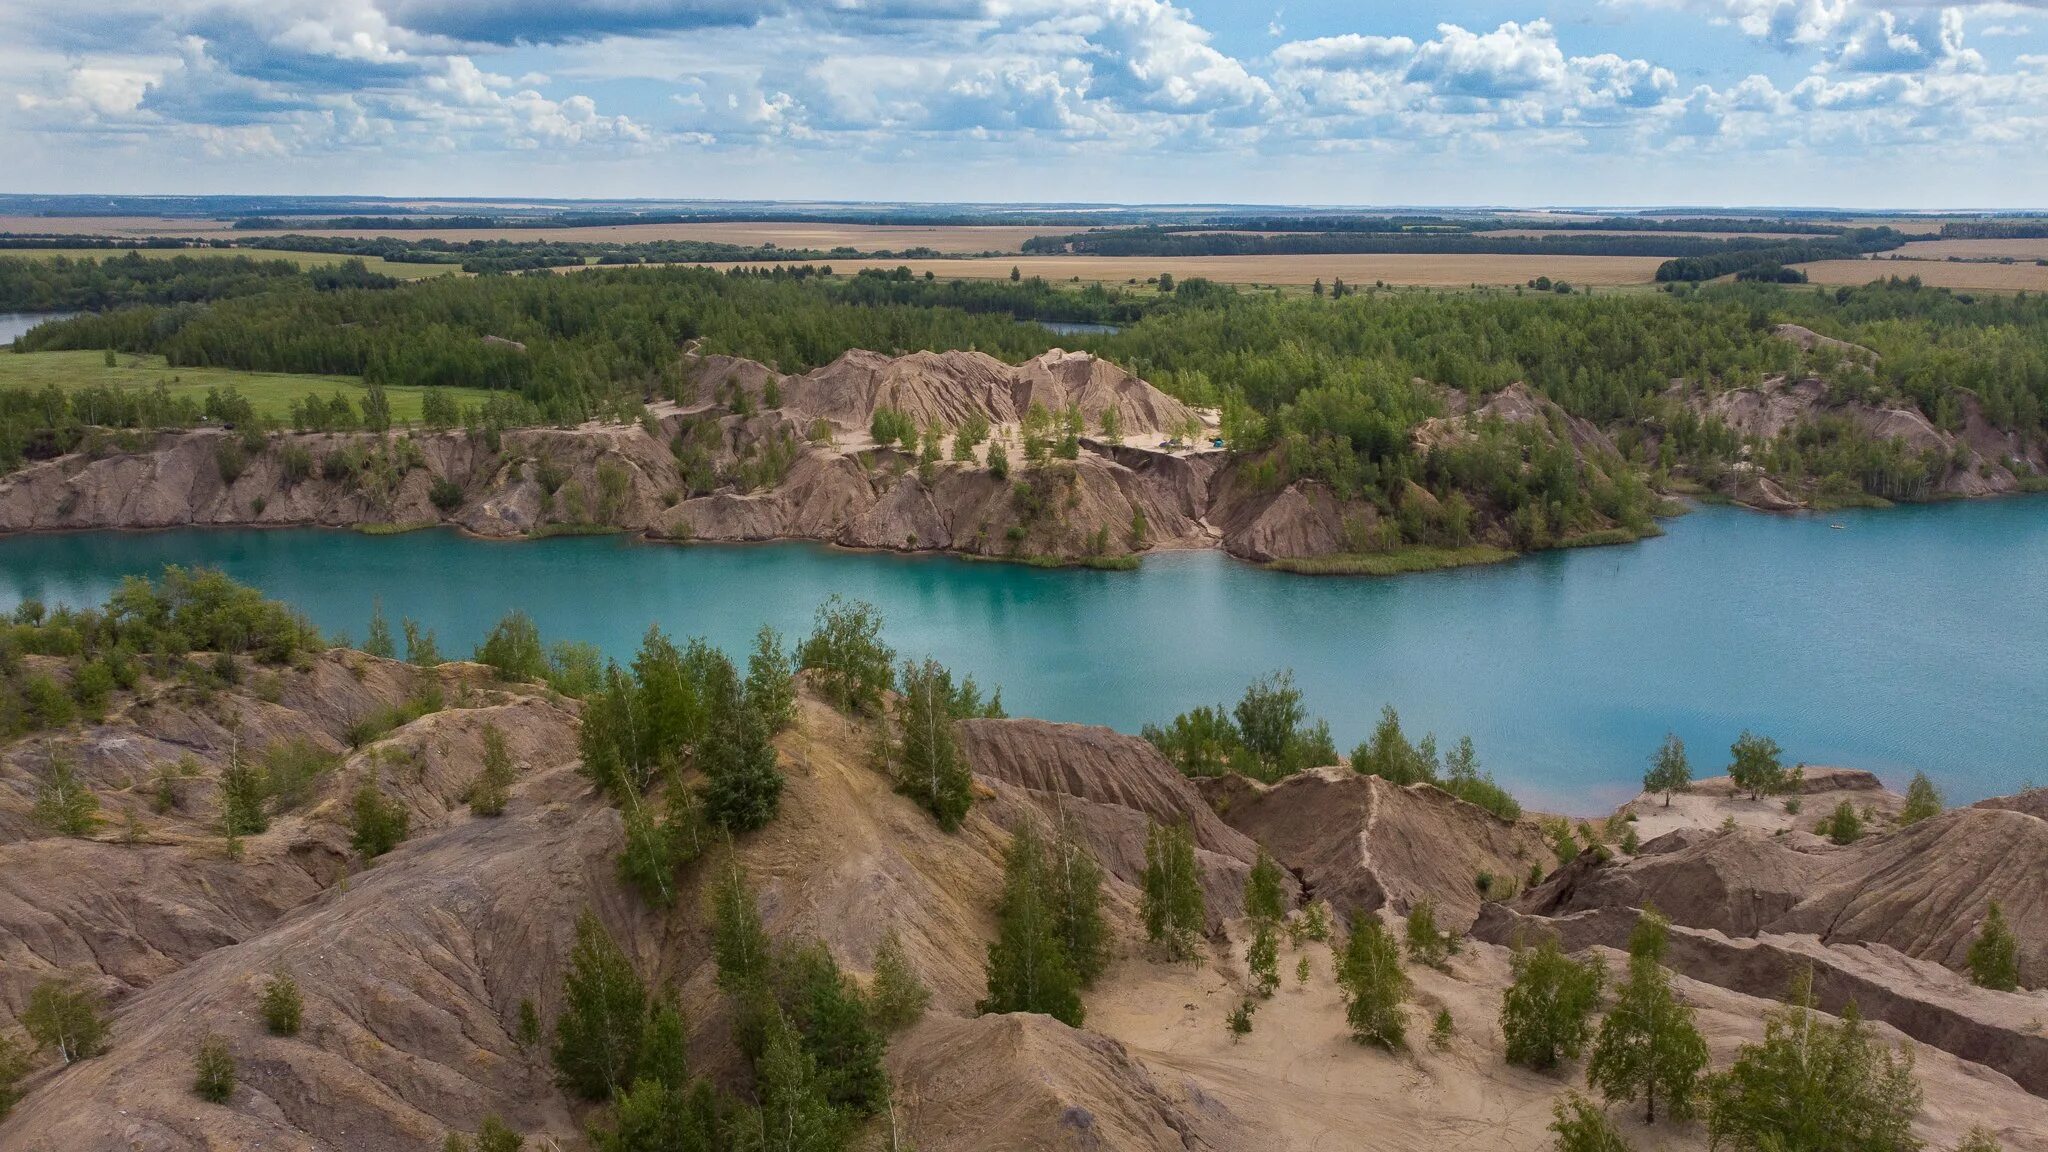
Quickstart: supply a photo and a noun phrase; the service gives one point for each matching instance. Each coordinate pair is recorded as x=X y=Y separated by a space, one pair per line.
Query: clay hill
x=762 y=456
x=1969 y=458
x=414 y=965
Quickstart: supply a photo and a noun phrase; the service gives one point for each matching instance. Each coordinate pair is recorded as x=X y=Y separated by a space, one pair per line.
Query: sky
x=1845 y=103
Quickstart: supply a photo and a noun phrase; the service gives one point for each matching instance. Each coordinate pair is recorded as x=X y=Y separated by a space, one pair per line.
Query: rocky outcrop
x=949 y=387
x=1111 y=788
x=1363 y=843
x=1924 y=1001
x=1973 y=461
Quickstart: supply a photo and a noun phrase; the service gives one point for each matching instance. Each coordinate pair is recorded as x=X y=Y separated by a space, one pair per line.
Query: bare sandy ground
x=1300 y=1077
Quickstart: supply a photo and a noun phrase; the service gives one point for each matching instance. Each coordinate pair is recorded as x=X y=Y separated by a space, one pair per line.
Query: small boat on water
x=1838 y=527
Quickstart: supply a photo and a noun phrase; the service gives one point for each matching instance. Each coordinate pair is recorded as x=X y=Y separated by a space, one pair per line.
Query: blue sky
x=1855 y=103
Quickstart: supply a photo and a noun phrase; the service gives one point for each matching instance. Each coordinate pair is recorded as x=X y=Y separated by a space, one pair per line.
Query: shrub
x=63 y=803
x=1843 y=826
x=898 y=998
x=232 y=461
x=213 y=1070
x=1994 y=956
x=1923 y=799
x=1581 y=1126
x=1369 y=972
x=377 y=824
x=445 y=494
x=281 y=1004
x=1546 y=1012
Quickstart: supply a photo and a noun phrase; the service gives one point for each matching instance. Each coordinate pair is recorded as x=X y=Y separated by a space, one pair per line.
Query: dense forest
x=66 y=285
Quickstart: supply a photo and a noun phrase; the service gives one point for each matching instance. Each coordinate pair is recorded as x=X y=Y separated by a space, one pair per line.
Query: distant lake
x=1911 y=638
x=14 y=324
x=1079 y=328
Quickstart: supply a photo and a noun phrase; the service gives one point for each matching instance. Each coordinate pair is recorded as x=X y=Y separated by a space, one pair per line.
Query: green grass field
x=272 y=393
x=302 y=259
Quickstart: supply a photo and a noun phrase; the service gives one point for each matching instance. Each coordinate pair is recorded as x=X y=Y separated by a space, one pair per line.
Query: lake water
x=1912 y=638
x=13 y=324
x=1079 y=327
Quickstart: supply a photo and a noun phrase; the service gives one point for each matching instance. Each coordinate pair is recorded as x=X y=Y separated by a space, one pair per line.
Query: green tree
x=1427 y=944
x=897 y=998
x=845 y=650
x=420 y=648
x=1994 y=957
x=1028 y=969
x=1265 y=897
x=1389 y=755
x=14 y=1064
x=213 y=1068
x=1175 y=915
x=929 y=766
x=1112 y=425
x=1670 y=771
x=665 y=1044
x=242 y=792
x=1262 y=957
x=377 y=823
x=1811 y=1086
x=1074 y=889
x=376 y=409
x=647 y=860
x=1756 y=766
x=65 y=1018
x=1369 y=972
x=492 y=786
x=1581 y=1126
x=513 y=649
x=1545 y=1014
x=795 y=1114
x=281 y=1004
x=838 y=1030
x=743 y=786
x=1923 y=800
x=598 y=1033
x=771 y=681
x=1648 y=1045
x=63 y=803
x=378 y=643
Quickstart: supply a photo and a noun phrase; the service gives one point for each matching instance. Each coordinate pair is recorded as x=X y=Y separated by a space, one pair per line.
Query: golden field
x=2031 y=248
x=1408 y=270
x=1939 y=273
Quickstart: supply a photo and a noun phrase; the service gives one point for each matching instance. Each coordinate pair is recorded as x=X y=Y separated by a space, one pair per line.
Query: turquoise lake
x=1910 y=638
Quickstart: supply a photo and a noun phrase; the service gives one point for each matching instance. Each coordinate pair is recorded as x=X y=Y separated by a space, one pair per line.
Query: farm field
x=2028 y=248
x=1405 y=269
x=272 y=393
x=302 y=259
x=867 y=237
x=792 y=234
x=1939 y=273
x=1537 y=233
